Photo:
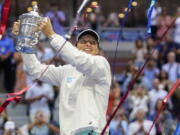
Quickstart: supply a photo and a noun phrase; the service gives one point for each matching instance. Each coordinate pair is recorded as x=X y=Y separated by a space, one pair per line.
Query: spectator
x=177 y=28
x=156 y=93
x=57 y=17
x=176 y=103
x=113 y=97
x=165 y=122
x=24 y=130
x=164 y=21
x=98 y=11
x=156 y=11
x=151 y=45
x=169 y=46
x=172 y=67
x=10 y=129
x=39 y=97
x=163 y=77
x=119 y=125
x=8 y=65
x=141 y=126
x=138 y=99
x=159 y=49
x=129 y=72
x=41 y=126
x=139 y=53
x=93 y=21
x=112 y=20
x=150 y=72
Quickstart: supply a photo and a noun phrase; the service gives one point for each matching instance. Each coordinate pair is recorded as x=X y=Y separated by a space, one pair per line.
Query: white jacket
x=84 y=86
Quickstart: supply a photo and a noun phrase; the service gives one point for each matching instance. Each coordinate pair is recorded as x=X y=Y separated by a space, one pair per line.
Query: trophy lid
x=32 y=12
x=29 y=9
x=34 y=3
x=34 y=6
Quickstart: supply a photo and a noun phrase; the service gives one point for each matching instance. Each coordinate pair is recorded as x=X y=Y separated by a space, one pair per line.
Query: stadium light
x=94 y=3
x=121 y=15
x=34 y=3
x=134 y=3
x=89 y=10
x=29 y=9
x=125 y=9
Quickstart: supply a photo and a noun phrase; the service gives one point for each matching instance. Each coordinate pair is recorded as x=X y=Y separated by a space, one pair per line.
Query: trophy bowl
x=28 y=32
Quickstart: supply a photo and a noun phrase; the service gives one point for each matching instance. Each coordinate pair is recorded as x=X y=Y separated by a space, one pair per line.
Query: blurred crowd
x=144 y=100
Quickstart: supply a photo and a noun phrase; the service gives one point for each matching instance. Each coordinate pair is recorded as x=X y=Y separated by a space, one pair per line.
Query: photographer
x=41 y=127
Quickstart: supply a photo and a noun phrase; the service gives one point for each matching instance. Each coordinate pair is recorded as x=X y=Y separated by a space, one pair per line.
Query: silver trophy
x=28 y=32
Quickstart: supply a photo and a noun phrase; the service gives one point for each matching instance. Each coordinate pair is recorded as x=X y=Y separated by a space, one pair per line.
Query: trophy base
x=26 y=49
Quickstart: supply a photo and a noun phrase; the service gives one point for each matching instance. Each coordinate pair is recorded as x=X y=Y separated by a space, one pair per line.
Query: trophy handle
x=45 y=19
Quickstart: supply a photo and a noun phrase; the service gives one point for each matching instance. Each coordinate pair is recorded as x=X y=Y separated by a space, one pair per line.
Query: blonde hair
x=143 y=89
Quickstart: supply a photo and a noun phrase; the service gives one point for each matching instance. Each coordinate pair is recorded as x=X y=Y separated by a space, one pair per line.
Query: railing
x=128 y=34
x=111 y=33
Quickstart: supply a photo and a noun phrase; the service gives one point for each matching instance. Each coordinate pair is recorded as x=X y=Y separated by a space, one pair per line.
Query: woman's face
x=139 y=44
x=88 y=44
x=139 y=91
x=150 y=65
x=150 y=42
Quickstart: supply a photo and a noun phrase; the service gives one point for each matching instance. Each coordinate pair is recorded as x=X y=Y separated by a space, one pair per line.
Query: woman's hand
x=46 y=27
x=15 y=29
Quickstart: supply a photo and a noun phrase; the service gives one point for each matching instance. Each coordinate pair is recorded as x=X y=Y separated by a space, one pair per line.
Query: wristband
x=52 y=37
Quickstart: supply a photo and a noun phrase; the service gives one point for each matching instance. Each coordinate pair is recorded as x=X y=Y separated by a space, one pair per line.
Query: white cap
x=90 y=32
x=9 y=125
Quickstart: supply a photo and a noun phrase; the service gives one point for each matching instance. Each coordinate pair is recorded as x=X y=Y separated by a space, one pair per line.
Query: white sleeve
x=153 y=131
x=29 y=94
x=131 y=130
x=165 y=68
x=53 y=75
x=96 y=67
x=51 y=92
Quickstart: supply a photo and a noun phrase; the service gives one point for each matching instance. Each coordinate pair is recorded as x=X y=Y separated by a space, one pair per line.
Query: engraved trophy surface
x=28 y=32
